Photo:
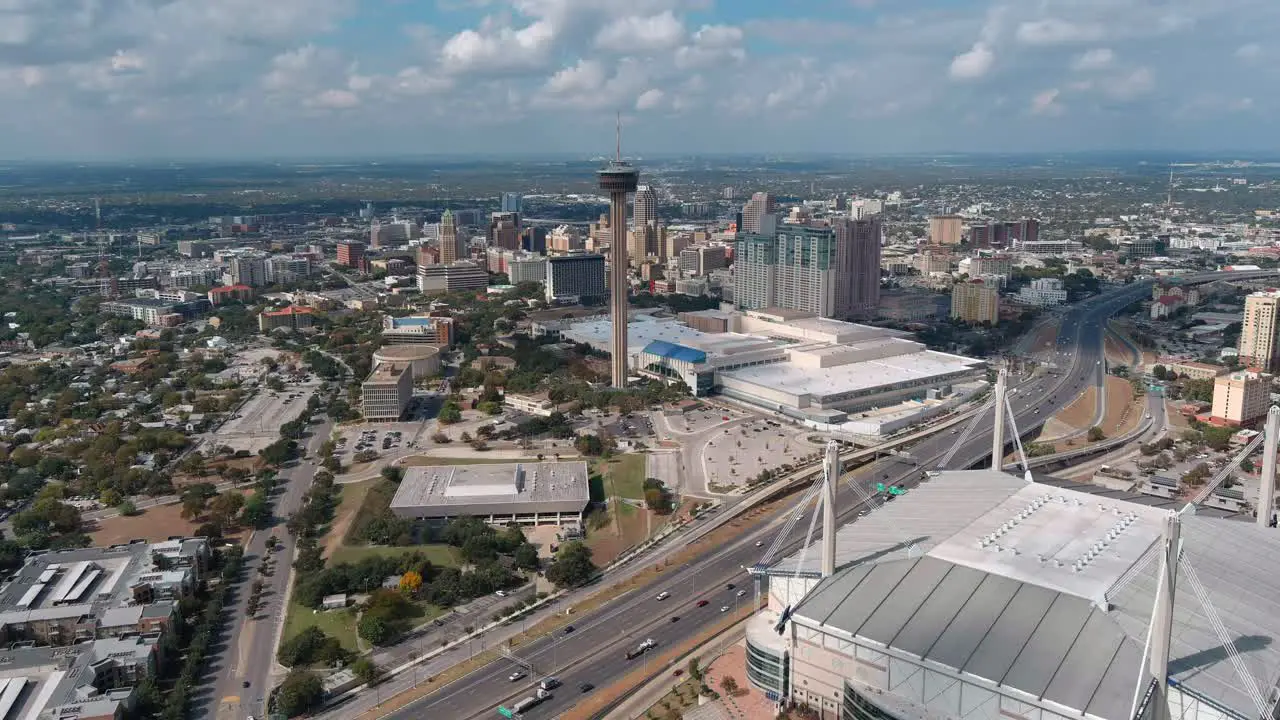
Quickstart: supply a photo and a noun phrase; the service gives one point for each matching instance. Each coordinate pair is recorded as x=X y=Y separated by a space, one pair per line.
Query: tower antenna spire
x=618 y=134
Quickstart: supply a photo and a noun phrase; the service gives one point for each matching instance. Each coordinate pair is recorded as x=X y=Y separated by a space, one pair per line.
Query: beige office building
x=975 y=302
x=946 y=230
x=1241 y=398
x=386 y=393
x=1258 y=346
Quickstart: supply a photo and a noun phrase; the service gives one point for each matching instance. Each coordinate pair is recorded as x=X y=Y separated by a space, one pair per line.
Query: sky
x=243 y=79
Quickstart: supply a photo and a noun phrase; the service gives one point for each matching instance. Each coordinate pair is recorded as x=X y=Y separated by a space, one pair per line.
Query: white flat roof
x=822 y=382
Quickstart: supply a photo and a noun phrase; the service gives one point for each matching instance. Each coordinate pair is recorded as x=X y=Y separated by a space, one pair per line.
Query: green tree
x=450 y=413
x=392 y=473
x=373 y=629
x=366 y=670
x=1095 y=434
x=300 y=693
x=572 y=566
x=526 y=557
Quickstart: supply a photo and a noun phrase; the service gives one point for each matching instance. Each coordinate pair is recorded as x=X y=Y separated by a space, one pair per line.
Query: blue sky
x=106 y=79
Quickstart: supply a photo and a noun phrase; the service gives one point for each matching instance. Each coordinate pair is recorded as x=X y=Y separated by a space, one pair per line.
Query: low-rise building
x=227 y=293
x=294 y=317
x=552 y=493
x=539 y=404
x=1191 y=369
x=452 y=277
x=386 y=393
x=1043 y=292
x=154 y=311
x=417 y=330
x=912 y=305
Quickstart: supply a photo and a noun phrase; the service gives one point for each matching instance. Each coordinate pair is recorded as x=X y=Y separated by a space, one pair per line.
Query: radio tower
x=619 y=179
x=1168 y=202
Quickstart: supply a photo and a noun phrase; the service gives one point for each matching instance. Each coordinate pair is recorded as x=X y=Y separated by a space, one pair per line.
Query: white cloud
x=335 y=99
x=501 y=49
x=629 y=34
x=650 y=99
x=1095 y=59
x=1046 y=103
x=1056 y=31
x=711 y=45
x=974 y=63
x=1249 y=51
x=1131 y=85
x=585 y=77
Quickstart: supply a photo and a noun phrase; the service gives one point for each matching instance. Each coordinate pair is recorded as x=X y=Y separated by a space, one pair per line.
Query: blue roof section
x=412 y=321
x=665 y=349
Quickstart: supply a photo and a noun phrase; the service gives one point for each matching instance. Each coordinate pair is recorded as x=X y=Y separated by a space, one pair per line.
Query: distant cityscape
x=319 y=449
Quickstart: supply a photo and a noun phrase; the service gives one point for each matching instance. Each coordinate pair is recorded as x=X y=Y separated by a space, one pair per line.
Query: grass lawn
x=624 y=475
x=340 y=624
x=352 y=498
x=439 y=554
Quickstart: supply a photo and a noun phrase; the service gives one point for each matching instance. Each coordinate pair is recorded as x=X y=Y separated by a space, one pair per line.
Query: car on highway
x=585 y=687
x=568 y=629
x=703 y=603
x=515 y=676
x=759 y=543
x=663 y=595
x=675 y=618
x=730 y=586
x=741 y=593
x=724 y=608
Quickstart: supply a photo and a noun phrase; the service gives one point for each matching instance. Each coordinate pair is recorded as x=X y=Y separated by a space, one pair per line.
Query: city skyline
x=321 y=78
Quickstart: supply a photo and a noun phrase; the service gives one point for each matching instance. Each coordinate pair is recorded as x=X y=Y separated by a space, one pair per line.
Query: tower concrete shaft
x=1162 y=615
x=1267 y=491
x=831 y=478
x=997 y=428
x=618 y=285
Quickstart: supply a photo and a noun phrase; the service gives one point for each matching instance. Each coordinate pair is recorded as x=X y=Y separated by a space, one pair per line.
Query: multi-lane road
x=593 y=654
x=243 y=669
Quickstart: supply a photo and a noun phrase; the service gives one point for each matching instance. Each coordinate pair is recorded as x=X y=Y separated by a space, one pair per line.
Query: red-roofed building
x=1165 y=306
x=228 y=293
x=293 y=317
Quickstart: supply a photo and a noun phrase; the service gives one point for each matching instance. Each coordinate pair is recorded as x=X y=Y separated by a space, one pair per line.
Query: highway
x=594 y=652
x=249 y=652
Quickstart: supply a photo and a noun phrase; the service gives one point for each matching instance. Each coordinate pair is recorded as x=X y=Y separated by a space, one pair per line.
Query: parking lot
x=737 y=454
x=256 y=424
x=696 y=421
x=382 y=438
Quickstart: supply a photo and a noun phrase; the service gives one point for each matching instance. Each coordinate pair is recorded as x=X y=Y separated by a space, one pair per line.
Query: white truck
x=641 y=649
x=530 y=701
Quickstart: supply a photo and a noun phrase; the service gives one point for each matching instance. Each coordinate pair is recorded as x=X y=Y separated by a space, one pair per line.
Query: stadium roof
x=914 y=577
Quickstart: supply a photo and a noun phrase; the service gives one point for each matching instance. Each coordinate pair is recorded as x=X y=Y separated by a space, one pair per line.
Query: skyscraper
x=451 y=246
x=946 y=229
x=504 y=230
x=643 y=241
x=511 y=202
x=1259 y=348
x=618 y=178
x=760 y=204
x=857 y=266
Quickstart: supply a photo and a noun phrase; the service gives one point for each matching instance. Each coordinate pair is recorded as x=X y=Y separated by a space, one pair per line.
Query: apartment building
x=975 y=302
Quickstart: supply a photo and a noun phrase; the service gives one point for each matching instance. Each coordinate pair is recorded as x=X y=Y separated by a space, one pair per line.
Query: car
x=724 y=608
x=663 y=595
x=677 y=672
x=515 y=676
x=703 y=603
x=730 y=586
x=759 y=543
x=585 y=687
x=568 y=629
x=741 y=593
x=245 y=683
x=675 y=618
